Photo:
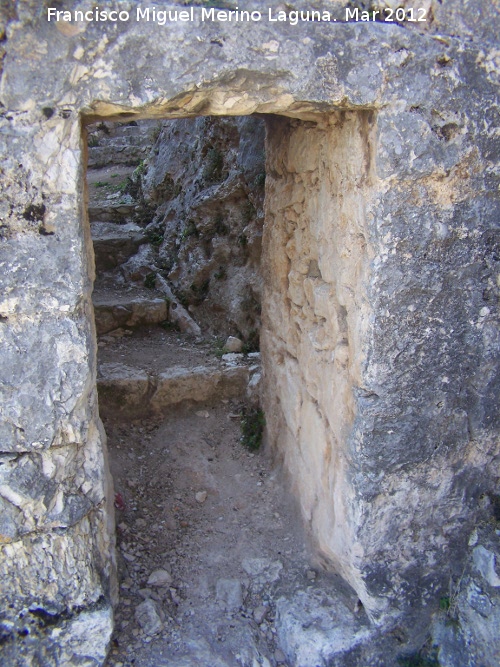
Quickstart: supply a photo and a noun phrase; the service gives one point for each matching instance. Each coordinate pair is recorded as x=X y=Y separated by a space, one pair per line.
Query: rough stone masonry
x=380 y=333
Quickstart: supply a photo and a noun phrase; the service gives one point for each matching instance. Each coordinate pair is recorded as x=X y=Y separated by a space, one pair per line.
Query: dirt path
x=214 y=518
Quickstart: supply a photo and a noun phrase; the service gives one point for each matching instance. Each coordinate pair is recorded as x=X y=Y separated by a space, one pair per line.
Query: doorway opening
x=212 y=556
x=176 y=210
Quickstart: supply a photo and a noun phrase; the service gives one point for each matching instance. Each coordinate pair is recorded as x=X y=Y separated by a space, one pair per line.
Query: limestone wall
x=381 y=329
x=316 y=313
x=56 y=499
x=373 y=441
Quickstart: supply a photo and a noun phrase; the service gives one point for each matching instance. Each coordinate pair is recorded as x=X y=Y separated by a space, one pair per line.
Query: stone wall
x=316 y=314
x=382 y=372
x=373 y=428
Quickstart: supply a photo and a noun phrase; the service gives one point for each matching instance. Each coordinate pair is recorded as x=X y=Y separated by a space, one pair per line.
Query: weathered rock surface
x=331 y=261
x=380 y=341
x=466 y=633
x=315 y=629
x=148 y=618
x=205 y=180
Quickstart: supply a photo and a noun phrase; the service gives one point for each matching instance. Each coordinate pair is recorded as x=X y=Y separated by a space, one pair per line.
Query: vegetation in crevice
x=252 y=428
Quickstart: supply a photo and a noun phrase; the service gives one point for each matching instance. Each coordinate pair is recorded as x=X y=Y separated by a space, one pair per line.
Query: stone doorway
x=393 y=450
x=183 y=483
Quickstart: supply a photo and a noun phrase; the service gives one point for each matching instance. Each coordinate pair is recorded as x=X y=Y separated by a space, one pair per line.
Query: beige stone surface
x=315 y=312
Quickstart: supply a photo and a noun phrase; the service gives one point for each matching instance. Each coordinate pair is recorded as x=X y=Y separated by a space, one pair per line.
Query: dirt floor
x=214 y=522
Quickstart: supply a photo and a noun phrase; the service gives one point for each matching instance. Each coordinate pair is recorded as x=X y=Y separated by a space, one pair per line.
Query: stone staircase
x=120 y=145
x=151 y=352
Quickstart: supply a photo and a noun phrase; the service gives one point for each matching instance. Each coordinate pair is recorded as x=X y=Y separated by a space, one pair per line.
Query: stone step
x=112 y=176
x=132 y=392
x=132 y=308
x=114 y=244
x=131 y=131
x=111 y=211
x=119 y=143
x=143 y=129
x=101 y=156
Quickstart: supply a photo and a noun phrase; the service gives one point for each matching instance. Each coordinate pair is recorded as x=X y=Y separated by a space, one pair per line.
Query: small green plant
x=189 y=230
x=247 y=212
x=139 y=170
x=260 y=180
x=93 y=141
x=212 y=173
x=243 y=240
x=114 y=175
x=121 y=186
x=219 y=348
x=445 y=603
x=252 y=428
x=101 y=184
x=150 y=281
x=170 y=326
x=155 y=239
x=221 y=274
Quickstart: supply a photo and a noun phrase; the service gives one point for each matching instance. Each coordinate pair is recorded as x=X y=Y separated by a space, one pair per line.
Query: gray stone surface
x=408 y=191
x=262 y=571
x=113 y=311
x=313 y=629
x=229 y=593
x=467 y=634
x=147 y=617
x=204 y=179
